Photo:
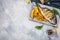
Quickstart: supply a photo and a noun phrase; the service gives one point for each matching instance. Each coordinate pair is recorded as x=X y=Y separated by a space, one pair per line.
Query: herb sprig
x=39 y=27
x=55 y=12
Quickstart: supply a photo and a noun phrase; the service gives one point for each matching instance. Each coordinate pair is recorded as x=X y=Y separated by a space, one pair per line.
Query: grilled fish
x=49 y=15
x=43 y=14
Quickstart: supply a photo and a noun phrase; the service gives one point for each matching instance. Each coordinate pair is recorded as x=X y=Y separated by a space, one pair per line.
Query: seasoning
x=50 y=32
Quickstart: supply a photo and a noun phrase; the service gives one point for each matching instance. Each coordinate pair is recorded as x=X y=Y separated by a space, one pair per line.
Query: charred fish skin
x=54 y=19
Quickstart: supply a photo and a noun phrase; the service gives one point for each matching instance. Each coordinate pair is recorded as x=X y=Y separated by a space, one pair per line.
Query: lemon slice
x=27 y=1
x=35 y=13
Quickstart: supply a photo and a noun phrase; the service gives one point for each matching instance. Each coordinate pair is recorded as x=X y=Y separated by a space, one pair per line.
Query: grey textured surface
x=14 y=23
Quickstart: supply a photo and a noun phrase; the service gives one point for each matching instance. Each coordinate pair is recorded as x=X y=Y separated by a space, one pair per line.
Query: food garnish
x=50 y=32
x=35 y=13
x=39 y=27
x=55 y=30
x=27 y=1
x=55 y=12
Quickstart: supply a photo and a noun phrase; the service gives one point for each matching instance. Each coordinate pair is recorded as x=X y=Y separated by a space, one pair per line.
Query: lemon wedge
x=27 y=1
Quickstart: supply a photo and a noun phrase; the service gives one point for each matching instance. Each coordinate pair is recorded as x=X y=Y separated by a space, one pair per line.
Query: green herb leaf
x=55 y=11
x=39 y=27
